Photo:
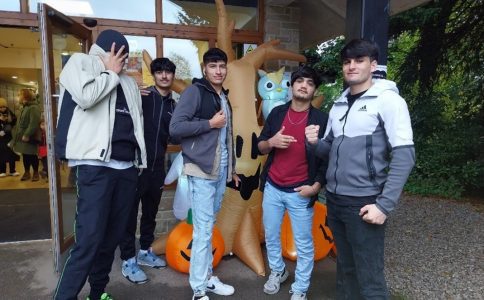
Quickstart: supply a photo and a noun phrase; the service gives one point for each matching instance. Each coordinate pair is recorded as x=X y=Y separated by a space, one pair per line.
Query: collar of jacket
x=378 y=86
x=206 y=84
x=153 y=89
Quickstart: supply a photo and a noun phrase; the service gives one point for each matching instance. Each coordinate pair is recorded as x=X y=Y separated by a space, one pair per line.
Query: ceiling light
x=14 y=77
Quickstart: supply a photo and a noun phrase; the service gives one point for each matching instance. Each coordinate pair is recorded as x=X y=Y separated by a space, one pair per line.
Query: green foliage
x=325 y=59
x=443 y=88
x=436 y=59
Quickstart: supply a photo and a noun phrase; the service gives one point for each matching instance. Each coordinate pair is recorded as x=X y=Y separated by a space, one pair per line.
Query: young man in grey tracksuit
x=369 y=142
x=202 y=121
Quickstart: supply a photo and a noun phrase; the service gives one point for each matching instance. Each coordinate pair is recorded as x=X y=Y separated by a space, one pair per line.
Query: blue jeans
x=360 y=260
x=274 y=204
x=206 y=197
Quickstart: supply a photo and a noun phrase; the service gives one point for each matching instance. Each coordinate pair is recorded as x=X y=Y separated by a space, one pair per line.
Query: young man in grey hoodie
x=100 y=133
x=369 y=142
x=202 y=121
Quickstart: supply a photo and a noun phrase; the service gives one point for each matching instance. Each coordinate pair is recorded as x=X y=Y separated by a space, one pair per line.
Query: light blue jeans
x=206 y=197
x=274 y=204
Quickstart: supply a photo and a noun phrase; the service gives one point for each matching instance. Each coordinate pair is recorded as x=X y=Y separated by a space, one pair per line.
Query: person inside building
x=7 y=156
x=27 y=135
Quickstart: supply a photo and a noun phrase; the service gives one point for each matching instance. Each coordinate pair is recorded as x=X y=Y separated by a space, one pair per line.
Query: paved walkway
x=26 y=272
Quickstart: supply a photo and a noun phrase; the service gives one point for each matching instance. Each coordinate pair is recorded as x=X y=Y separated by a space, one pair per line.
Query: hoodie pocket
x=369 y=160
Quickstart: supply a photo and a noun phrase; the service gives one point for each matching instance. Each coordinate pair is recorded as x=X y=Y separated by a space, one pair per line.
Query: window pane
x=136 y=67
x=187 y=55
x=140 y=10
x=10 y=5
x=204 y=12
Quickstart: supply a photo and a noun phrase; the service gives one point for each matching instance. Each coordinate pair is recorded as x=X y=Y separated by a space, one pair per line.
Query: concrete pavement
x=26 y=272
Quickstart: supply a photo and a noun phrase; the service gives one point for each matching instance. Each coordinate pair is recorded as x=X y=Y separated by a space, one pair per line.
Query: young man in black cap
x=100 y=133
x=158 y=106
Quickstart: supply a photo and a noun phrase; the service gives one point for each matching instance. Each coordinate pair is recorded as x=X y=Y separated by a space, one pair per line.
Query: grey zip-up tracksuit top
x=370 y=145
x=200 y=143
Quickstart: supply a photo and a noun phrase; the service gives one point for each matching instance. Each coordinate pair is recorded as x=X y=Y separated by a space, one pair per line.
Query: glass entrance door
x=60 y=38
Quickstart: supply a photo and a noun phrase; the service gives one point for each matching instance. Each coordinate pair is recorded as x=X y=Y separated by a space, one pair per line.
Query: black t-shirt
x=352 y=98
x=123 y=142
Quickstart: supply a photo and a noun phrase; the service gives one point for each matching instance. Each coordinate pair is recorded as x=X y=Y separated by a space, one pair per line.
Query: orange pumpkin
x=322 y=236
x=179 y=245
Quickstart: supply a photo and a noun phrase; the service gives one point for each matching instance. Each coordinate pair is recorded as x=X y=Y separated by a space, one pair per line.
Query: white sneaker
x=273 y=284
x=3 y=175
x=215 y=286
x=15 y=174
x=200 y=297
x=298 y=296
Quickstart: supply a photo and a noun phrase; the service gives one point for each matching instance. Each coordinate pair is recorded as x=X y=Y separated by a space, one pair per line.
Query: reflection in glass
x=186 y=55
x=204 y=12
x=136 y=67
x=10 y=5
x=140 y=10
x=63 y=47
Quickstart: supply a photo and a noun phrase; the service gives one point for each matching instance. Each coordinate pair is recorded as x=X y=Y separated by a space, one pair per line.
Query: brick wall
x=165 y=220
x=282 y=22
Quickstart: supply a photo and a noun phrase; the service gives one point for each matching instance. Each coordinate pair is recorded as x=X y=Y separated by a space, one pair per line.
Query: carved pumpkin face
x=322 y=236
x=179 y=247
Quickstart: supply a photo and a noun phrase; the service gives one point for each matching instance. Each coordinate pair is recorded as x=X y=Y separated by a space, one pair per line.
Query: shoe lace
x=134 y=269
x=214 y=279
x=298 y=295
x=152 y=256
x=274 y=278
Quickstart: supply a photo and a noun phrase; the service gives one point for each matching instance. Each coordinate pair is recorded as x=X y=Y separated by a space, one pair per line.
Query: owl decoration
x=273 y=88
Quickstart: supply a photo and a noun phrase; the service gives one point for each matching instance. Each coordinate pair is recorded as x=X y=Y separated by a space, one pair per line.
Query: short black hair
x=162 y=64
x=360 y=48
x=306 y=72
x=214 y=55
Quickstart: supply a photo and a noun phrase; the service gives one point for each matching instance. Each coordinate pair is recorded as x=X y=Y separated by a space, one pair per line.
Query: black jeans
x=30 y=160
x=150 y=188
x=3 y=166
x=360 y=259
x=105 y=198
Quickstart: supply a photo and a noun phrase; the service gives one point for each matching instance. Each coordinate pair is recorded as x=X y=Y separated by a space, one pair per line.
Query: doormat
x=24 y=215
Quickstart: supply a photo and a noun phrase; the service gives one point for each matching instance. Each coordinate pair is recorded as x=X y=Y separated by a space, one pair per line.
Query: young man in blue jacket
x=291 y=180
x=158 y=107
x=369 y=143
x=203 y=122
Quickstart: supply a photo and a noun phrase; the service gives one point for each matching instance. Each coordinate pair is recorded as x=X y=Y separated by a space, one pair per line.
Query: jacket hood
x=378 y=87
x=206 y=84
x=153 y=89
x=96 y=50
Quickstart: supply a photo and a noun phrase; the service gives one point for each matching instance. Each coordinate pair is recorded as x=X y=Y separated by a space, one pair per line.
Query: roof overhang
x=322 y=20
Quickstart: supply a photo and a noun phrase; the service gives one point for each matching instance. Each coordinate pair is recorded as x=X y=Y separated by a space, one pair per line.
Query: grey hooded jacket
x=370 y=145
x=200 y=143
